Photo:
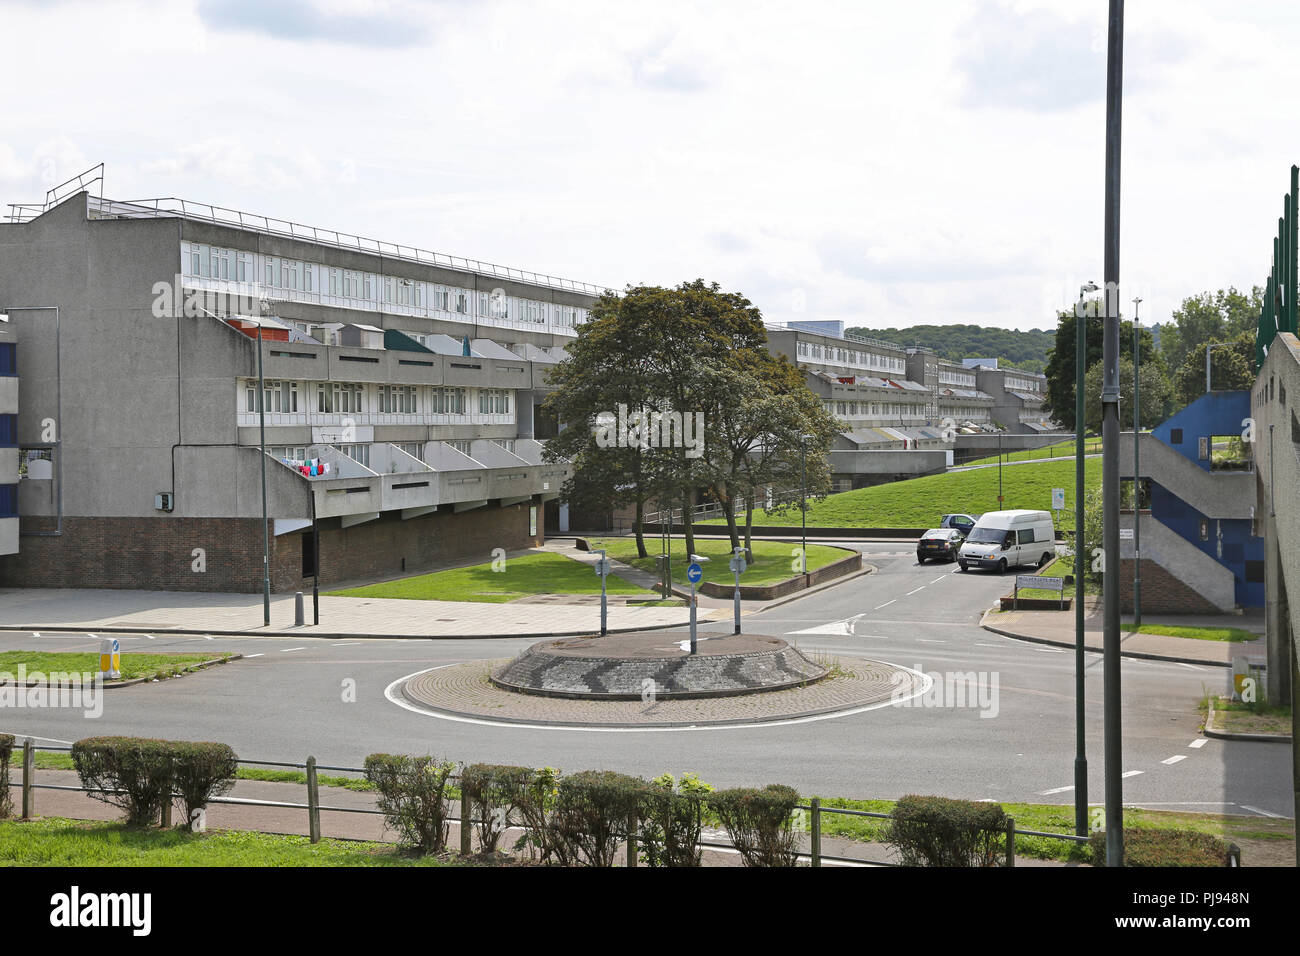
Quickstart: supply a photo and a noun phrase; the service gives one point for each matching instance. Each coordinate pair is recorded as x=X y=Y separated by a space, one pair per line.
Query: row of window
x=956 y=378
x=873 y=409
x=855 y=358
x=368 y=290
x=284 y=397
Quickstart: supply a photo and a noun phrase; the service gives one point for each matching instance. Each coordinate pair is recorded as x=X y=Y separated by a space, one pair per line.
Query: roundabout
x=648 y=681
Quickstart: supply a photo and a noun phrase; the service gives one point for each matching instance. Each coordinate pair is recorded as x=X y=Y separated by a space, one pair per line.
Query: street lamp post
x=266 y=535
x=803 y=505
x=999 y=468
x=1080 y=750
x=1137 y=479
x=1111 y=677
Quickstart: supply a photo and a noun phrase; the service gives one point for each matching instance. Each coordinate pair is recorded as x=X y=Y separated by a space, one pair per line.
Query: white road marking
x=1262 y=813
x=1131 y=773
x=910 y=593
x=886 y=604
x=350 y=644
x=1049 y=650
x=251 y=656
x=978 y=644
x=390 y=693
x=52 y=740
x=286 y=650
x=938 y=579
x=929 y=640
x=1048 y=793
x=1199 y=742
x=1175 y=758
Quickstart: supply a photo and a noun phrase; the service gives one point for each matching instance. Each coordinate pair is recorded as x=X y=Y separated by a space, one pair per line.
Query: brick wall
x=157 y=552
x=1162 y=593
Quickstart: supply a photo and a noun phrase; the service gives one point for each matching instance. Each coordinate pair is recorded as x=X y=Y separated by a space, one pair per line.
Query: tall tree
x=1209 y=317
x=1231 y=368
x=1060 y=369
x=1154 y=392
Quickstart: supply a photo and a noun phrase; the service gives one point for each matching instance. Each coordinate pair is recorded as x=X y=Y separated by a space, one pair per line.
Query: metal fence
x=814 y=811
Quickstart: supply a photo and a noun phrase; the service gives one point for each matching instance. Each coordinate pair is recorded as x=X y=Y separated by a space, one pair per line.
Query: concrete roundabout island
x=649 y=681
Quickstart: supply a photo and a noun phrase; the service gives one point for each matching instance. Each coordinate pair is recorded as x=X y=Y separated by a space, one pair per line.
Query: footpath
x=1057 y=628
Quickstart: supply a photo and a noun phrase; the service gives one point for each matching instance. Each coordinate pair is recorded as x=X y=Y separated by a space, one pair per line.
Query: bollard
x=299 y=617
x=29 y=768
x=1011 y=841
x=464 y=820
x=816 y=831
x=313 y=802
x=631 y=839
x=110 y=659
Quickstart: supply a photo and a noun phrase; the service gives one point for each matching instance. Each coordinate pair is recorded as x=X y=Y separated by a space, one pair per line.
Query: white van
x=1008 y=539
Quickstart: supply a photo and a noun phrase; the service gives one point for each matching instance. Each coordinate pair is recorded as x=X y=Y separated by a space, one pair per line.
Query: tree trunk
x=729 y=502
x=639 y=525
x=749 y=529
x=688 y=520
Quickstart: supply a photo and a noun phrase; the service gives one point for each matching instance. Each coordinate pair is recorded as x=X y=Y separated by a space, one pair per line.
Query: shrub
x=1145 y=848
x=200 y=771
x=413 y=797
x=591 y=814
x=6 y=799
x=672 y=816
x=937 y=831
x=533 y=793
x=133 y=773
x=759 y=823
x=494 y=791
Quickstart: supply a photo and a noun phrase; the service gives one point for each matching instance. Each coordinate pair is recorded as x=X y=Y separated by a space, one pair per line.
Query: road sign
x=694 y=573
x=1058 y=499
x=1126 y=534
x=602 y=566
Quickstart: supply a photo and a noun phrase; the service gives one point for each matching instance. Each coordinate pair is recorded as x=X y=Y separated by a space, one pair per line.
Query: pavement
x=1057 y=628
x=201 y=612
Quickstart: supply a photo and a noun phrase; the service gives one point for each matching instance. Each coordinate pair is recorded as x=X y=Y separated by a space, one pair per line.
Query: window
x=493 y=401
x=413 y=448
x=1026 y=536
x=448 y=401
x=289 y=452
x=399 y=399
x=243 y=266
x=339 y=398
x=507 y=443
x=358 y=453
x=460 y=445
x=281 y=397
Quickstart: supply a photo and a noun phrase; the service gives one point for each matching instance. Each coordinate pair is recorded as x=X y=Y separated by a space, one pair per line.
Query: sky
x=880 y=163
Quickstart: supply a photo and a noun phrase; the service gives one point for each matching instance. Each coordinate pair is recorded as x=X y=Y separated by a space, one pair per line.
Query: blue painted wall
x=1229 y=542
x=1216 y=413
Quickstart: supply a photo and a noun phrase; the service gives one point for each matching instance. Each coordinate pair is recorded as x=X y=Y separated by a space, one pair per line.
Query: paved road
x=287 y=699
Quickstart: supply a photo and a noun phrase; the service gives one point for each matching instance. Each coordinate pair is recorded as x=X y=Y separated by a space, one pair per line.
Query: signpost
x=738 y=566
x=693 y=574
x=602 y=568
x=1037 y=582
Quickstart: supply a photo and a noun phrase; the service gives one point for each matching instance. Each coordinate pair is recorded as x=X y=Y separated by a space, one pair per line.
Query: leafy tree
x=1209 y=317
x=1154 y=392
x=1232 y=367
x=1060 y=370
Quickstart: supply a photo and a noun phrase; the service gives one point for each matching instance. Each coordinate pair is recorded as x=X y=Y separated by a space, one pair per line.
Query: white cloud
x=896 y=163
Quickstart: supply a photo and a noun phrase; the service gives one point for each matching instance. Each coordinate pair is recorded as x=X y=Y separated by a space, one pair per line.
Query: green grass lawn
x=1199 y=633
x=529 y=574
x=1091 y=446
x=54 y=841
x=132 y=665
x=920 y=502
x=1052 y=818
x=773 y=560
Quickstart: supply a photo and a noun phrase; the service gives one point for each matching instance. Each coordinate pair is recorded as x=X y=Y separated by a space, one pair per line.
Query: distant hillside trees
x=1023 y=350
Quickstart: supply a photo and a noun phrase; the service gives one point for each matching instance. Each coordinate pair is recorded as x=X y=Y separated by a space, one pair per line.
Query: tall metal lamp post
x=1080 y=750
x=266 y=534
x=1137 y=478
x=803 y=503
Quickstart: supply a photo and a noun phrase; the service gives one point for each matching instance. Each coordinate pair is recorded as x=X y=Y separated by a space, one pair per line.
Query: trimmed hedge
x=133 y=773
x=672 y=816
x=495 y=792
x=591 y=816
x=146 y=772
x=413 y=797
x=759 y=823
x=201 y=770
x=939 y=831
x=1148 y=847
x=6 y=799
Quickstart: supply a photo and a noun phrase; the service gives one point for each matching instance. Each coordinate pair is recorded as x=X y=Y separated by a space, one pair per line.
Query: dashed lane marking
x=1199 y=742
x=286 y=650
x=1175 y=759
x=886 y=604
x=1262 y=813
x=1055 y=790
x=910 y=593
x=1131 y=773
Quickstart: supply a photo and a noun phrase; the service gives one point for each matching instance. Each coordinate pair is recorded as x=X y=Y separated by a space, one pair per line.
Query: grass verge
x=134 y=666
x=55 y=841
x=517 y=577
x=773 y=560
x=1197 y=633
x=919 y=502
